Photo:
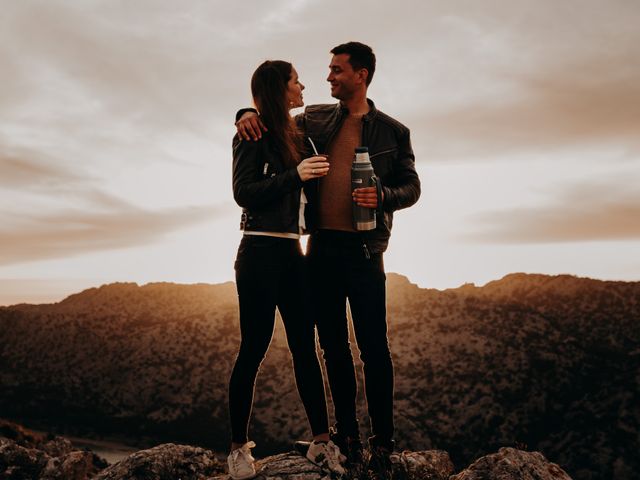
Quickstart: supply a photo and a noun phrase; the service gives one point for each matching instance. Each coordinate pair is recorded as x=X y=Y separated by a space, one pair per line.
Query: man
x=347 y=264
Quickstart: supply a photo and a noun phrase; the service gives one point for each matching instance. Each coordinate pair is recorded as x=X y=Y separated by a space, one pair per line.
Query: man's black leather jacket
x=267 y=190
x=391 y=155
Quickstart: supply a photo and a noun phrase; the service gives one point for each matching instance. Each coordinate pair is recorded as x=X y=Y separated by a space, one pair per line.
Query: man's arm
x=249 y=125
x=402 y=189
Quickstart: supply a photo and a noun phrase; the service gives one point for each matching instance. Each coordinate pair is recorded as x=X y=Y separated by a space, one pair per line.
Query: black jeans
x=270 y=273
x=339 y=270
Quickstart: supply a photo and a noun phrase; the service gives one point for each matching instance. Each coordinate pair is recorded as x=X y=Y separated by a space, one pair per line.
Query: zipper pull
x=366 y=251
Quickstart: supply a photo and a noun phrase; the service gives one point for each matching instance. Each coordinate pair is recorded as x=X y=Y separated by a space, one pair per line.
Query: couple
x=286 y=189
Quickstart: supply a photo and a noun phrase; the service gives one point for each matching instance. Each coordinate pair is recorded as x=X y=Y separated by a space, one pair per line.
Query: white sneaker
x=327 y=455
x=241 y=462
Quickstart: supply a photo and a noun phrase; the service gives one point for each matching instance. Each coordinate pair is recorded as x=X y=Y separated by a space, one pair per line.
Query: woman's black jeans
x=270 y=273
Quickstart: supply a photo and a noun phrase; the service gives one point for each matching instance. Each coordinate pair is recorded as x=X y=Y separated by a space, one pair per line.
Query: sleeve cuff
x=242 y=111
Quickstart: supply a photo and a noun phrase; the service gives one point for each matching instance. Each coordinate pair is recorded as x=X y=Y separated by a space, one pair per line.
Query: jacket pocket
x=382 y=160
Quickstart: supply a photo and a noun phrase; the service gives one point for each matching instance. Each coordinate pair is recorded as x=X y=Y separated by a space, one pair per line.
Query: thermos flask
x=362 y=175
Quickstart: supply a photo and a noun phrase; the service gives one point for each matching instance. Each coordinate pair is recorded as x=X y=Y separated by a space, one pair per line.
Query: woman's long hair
x=269 y=90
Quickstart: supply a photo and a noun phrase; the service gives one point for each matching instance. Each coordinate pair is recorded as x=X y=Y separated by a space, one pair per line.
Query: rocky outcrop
x=166 y=462
x=43 y=457
x=512 y=464
x=425 y=465
x=25 y=454
x=18 y=462
x=170 y=461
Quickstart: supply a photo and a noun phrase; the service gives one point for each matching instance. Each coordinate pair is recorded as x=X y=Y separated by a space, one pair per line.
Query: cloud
x=40 y=226
x=71 y=233
x=39 y=176
x=499 y=77
x=20 y=171
x=526 y=78
x=602 y=211
x=557 y=110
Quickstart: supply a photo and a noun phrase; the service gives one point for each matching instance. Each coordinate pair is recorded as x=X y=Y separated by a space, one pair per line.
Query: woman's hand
x=313 y=167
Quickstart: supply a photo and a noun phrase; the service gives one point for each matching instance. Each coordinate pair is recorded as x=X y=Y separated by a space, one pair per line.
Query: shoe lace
x=244 y=452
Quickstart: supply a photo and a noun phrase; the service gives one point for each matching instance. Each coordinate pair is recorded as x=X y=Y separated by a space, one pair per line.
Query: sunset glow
x=116 y=122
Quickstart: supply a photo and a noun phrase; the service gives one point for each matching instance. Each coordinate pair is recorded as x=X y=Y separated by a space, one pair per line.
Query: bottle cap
x=362 y=149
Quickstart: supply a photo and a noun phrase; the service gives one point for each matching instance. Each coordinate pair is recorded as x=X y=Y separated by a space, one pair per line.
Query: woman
x=267 y=183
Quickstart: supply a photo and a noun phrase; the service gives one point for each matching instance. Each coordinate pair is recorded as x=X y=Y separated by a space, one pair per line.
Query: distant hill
x=551 y=363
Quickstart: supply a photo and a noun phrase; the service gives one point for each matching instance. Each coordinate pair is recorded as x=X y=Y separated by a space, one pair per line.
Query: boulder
x=166 y=462
x=18 y=463
x=512 y=464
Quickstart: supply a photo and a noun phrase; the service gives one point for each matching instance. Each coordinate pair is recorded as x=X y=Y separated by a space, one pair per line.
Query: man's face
x=344 y=80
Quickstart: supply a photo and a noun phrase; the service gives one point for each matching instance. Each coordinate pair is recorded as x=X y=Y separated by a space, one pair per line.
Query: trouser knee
x=249 y=358
x=378 y=355
x=337 y=355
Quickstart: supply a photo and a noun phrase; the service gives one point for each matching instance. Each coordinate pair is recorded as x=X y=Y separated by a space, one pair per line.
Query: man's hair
x=360 y=56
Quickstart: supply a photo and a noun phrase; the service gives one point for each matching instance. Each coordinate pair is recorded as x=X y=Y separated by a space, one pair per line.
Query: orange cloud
x=73 y=233
x=101 y=221
x=553 y=115
x=19 y=170
x=605 y=211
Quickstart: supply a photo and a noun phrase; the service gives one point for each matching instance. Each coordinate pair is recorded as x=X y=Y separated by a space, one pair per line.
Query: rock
x=181 y=462
x=52 y=445
x=21 y=435
x=166 y=462
x=290 y=465
x=18 y=462
x=424 y=465
x=30 y=455
x=25 y=454
x=512 y=464
x=74 y=465
x=56 y=447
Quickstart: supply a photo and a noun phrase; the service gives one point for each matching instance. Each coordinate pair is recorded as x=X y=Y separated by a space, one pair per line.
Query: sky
x=116 y=120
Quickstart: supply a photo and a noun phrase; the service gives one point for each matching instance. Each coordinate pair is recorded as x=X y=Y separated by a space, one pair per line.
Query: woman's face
x=294 y=90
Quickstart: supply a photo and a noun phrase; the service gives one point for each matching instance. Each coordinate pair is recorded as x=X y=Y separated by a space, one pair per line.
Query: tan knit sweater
x=335 y=204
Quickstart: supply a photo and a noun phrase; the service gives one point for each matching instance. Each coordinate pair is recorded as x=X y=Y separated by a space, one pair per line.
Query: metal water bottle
x=362 y=176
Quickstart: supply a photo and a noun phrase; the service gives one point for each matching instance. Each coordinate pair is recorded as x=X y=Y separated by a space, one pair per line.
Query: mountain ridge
x=547 y=361
x=510 y=280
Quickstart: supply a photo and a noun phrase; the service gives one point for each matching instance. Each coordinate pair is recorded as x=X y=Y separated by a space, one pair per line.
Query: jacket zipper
x=364 y=141
x=383 y=152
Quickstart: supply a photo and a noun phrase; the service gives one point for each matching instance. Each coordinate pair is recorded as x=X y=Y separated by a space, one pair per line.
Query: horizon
x=81 y=290
x=116 y=123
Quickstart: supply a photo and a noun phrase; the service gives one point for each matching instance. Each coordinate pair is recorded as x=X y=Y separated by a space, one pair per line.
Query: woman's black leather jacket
x=266 y=189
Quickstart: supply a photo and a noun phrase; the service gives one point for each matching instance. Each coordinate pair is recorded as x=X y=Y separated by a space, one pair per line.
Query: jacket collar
x=370 y=115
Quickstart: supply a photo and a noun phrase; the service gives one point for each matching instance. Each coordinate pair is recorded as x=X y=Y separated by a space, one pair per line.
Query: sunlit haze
x=116 y=121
